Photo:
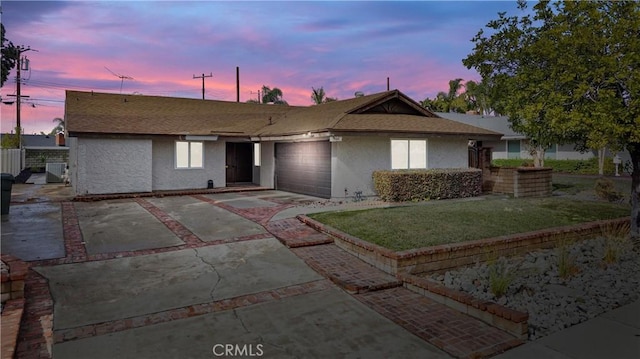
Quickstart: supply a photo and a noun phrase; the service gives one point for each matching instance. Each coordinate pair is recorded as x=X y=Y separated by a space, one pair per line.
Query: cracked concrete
x=327 y=324
x=147 y=306
x=213 y=268
x=94 y=292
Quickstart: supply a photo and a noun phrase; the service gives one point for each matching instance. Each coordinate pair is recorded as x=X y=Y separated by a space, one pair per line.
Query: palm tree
x=477 y=97
x=272 y=96
x=454 y=87
x=59 y=126
x=317 y=95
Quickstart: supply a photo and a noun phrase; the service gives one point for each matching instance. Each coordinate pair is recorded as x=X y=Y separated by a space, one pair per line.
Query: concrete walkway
x=615 y=334
x=189 y=276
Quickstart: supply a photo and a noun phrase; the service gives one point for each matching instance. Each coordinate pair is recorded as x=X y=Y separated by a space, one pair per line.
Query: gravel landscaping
x=598 y=275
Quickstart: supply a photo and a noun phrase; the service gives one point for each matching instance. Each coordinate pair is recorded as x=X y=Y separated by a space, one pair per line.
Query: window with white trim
x=189 y=154
x=408 y=154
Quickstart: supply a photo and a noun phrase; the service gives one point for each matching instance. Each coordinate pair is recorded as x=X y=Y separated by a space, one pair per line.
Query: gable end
x=395 y=103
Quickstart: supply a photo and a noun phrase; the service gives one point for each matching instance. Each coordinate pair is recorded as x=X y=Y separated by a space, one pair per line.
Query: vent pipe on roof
x=387 y=83
x=359 y=94
x=237 y=83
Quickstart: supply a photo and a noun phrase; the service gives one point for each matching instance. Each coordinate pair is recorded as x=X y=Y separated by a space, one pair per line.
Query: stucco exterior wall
x=498 y=149
x=112 y=166
x=353 y=161
x=567 y=152
x=447 y=153
x=563 y=152
x=267 y=163
x=72 y=143
x=166 y=176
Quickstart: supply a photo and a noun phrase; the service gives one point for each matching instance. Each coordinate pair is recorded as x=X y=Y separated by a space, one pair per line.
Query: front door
x=239 y=162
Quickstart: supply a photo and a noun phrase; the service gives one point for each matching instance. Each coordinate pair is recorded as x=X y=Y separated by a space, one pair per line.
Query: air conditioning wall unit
x=55 y=172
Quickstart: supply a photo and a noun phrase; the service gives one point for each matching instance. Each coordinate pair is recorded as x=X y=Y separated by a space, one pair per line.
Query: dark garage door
x=304 y=167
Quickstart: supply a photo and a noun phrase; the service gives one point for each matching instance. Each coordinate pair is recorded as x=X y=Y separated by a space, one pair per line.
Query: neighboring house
x=513 y=144
x=38 y=150
x=133 y=143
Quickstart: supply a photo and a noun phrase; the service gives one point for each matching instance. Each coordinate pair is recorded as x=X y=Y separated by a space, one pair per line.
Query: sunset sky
x=343 y=47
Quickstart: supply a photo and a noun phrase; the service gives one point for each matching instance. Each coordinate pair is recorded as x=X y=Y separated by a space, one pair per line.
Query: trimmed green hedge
x=419 y=185
x=589 y=166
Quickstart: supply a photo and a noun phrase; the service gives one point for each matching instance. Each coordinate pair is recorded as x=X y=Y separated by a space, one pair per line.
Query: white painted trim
x=201 y=138
x=303 y=137
x=175 y=156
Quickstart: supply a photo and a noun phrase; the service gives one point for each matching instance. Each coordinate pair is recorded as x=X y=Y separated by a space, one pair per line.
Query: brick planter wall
x=520 y=181
x=13 y=274
x=448 y=256
x=507 y=319
x=406 y=264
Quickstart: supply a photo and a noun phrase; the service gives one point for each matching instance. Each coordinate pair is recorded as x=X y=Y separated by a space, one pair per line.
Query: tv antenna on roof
x=121 y=77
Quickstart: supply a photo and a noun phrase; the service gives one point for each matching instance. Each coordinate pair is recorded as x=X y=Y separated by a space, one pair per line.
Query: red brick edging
x=14 y=273
x=118 y=325
x=507 y=319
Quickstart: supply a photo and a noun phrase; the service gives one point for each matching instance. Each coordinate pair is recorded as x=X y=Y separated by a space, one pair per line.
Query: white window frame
x=422 y=163
x=190 y=159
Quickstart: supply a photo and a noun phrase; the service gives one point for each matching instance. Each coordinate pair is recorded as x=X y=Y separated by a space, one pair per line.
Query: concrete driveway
x=196 y=277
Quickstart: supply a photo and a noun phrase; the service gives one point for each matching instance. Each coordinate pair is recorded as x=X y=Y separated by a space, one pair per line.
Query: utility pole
x=21 y=62
x=203 y=76
x=253 y=93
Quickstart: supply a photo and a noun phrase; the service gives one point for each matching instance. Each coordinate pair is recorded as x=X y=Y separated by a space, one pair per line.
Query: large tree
x=9 y=56
x=568 y=72
x=449 y=101
x=274 y=96
x=318 y=96
x=474 y=98
x=11 y=140
x=478 y=98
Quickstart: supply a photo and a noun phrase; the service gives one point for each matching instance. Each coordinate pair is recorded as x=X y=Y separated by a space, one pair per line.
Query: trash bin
x=7 y=183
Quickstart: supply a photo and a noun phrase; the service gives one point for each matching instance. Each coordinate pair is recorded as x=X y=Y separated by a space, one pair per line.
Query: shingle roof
x=315 y=118
x=498 y=124
x=90 y=112
x=408 y=124
x=36 y=140
x=390 y=112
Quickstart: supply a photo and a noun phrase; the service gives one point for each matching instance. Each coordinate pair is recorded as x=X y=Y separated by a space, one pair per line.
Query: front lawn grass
x=574 y=185
x=433 y=223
